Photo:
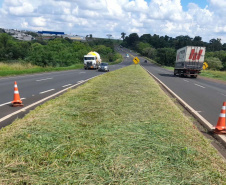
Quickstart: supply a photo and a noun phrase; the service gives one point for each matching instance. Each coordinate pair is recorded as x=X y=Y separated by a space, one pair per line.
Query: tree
x=123 y=35
x=215 y=45
x=6 y=46
x=150 y=52
x=166 y=56
x=132 y=40
x=146 y=38
x=182 y=41
x=103 y=50
x=214 y=63
x=141 y=46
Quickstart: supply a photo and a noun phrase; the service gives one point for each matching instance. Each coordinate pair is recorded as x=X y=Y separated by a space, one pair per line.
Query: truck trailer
x=189 y=61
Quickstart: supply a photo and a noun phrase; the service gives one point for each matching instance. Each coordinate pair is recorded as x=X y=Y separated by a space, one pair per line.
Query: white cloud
x=39 y=21
x=102 y=17
x=23 y=9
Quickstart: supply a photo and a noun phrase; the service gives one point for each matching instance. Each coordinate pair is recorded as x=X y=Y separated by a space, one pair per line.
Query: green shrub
x=214 y=63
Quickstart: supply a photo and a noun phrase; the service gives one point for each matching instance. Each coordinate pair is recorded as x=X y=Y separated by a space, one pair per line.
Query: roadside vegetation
x=162 y=50
x=55 y=54
x=11 y=69
x=119 y=128
x=220 y=75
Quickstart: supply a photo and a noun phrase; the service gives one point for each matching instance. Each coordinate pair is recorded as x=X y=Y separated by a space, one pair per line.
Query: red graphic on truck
x=195 y=56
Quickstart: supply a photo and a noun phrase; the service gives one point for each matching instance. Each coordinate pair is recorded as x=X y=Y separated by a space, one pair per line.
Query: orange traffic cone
x=17 y=101
x=221 y=128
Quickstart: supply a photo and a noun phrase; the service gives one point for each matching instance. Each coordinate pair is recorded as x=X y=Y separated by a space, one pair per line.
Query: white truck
x=189 y=61
x=92 y=60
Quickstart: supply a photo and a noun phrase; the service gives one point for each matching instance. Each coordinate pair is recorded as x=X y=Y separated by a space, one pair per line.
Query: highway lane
x=204 y=96
x=33 y=88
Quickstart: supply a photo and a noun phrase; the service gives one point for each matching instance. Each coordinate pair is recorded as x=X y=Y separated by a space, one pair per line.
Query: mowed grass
x=220 y=75
x=119 y=128
x=10 y=69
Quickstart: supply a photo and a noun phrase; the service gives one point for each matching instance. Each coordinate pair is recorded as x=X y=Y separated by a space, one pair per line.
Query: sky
x=204 y=18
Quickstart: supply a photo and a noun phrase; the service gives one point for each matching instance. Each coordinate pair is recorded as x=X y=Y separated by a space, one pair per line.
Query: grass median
x=119 y=128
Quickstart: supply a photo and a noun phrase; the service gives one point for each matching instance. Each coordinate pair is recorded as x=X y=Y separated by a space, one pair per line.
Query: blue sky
x=201 y=3
x=204 y=18
x=184 y=3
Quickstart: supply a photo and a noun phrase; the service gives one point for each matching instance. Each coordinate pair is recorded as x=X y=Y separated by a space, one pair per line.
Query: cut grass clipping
x=119 y=128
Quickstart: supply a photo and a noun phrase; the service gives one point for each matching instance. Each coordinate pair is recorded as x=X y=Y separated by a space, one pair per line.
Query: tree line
x=162 y=49
x=58 y=52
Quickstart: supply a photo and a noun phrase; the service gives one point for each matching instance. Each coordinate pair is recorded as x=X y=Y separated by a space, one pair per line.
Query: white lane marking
x=200 y=86
x=186 y=80
x=43 y=79
x=40 y=101
x=223 y=94
x=66 y=85
x=10 y=102
x=46 y=91
x=82 y=72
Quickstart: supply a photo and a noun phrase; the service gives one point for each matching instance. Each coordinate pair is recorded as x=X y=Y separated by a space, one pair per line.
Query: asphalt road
x=33 y=88
x=204 y=96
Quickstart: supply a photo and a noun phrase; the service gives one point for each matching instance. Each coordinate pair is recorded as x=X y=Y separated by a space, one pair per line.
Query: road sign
x=136 y=60
x=205 y=65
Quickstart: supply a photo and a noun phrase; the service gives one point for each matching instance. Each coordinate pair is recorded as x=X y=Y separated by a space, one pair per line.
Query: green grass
x=220 y=75
x=20 y=69
x=119 y=128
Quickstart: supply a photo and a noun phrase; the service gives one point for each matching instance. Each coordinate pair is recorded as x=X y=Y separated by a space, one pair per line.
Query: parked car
x=103 y=67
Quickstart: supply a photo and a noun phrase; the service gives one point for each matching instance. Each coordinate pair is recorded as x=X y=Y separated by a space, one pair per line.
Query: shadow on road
x=167 y=75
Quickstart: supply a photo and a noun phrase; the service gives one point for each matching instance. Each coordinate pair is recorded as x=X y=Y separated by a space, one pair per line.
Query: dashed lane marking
x=44 y=79
x=200 y=86
x=40 y=101
x=10 y=102
x=46 y=91
x=67 y=85
x=223 y=94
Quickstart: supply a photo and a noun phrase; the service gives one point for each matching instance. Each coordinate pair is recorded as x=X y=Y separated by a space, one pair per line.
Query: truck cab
x=90 y=62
